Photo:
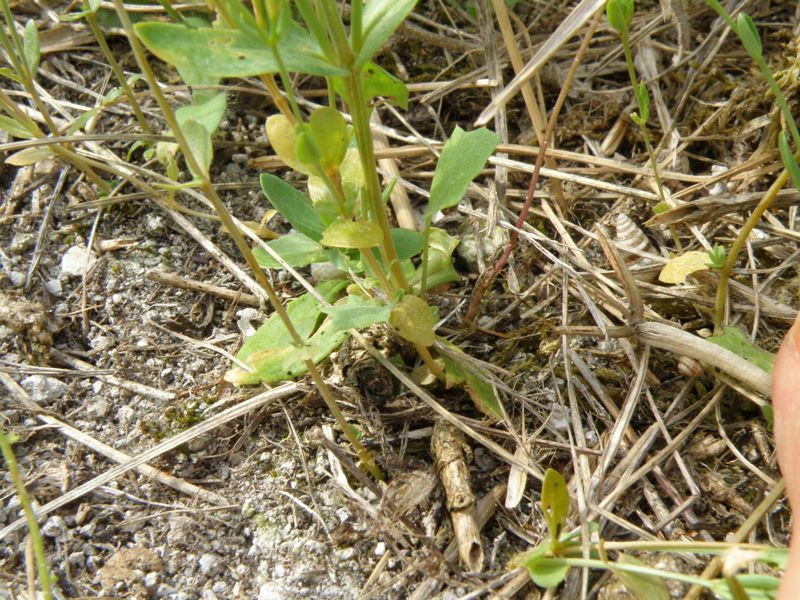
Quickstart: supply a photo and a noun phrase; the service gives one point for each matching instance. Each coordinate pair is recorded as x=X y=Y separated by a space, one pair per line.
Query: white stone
x=16 y=278
x=43 y=390
x=270 y=591
x=54 y=527
x=54 y=287
x=210 y=564
x=245 y=316
x=154 y=222
x=75 y=260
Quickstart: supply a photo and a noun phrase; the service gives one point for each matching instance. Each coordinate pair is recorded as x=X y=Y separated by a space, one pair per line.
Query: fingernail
x=794 y=334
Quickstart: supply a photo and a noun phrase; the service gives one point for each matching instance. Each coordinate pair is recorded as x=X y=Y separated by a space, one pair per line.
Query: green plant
x=343 y=220
x=43 y=574
x=620 y=15
x=549 y=562
x=744 y=27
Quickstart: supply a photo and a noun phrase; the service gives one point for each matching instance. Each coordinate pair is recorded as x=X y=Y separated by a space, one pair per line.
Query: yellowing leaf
x=281 y=135
x=555 y=504
x=678 y=268
x=29 y=156
x=414 y=320
x=352 y=234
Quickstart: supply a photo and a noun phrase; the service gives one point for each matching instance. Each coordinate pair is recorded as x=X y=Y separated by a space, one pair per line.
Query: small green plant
x=620 y=15
x=549 y=562
x=343 y=220
x=43 y=573
x=744 y=27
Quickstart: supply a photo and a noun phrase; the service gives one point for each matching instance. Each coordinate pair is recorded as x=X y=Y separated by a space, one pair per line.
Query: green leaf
x=476 y=382
x=270 y=350
x=10 y=74
x=31 y=50
x=199 y=141
x=414 y=321
x=330 y=133
x=297 y=249
x=288 y=362
x=15 y=128
x=619 y=14
x=208 y=112
x=407 y=243
x=28 y=156
x=661 y=207
x=748 y=33
x=378 y=82
x=81 y=120
x=231 y=53
x=462 y=159
x=293 y=206
x=380 y=18
x=789 y=163
x=308 y=151
x=644 y=587
x=757 y=587
x=352 y=234
x=547 y=572
x=717 y=256
x=555 y=504
x=735 y=340
x=440 y=260
x=358 y=312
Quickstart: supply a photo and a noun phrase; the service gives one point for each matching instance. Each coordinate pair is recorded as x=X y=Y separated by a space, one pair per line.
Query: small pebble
x=16 y=278
x=75 y=260
x=22 y=242
x=43 y=390
x=54 y=287
x=210 y=564
x=270 y=591
x=54 y=527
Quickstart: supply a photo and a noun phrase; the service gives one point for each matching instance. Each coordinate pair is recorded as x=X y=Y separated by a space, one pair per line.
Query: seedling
x=549 y=562
x=620 y=15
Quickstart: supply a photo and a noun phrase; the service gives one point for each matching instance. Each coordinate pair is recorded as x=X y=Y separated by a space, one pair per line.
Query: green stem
x=638 y=569
x=112 y=62
x=426 y=236
x=173 y=14
x=780 y=99
x=360 y=115
x=33 y=526
x=233 y=231
x=369 y=257
x=738 y=244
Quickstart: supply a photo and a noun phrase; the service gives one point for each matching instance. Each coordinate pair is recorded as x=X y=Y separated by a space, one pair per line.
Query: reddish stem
x=486 y=280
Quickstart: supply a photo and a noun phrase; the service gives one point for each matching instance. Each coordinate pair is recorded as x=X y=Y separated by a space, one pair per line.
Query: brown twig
x=200 y=286
x=450 y=452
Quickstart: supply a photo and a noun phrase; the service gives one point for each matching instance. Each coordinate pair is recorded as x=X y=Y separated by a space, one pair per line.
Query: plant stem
x=484 y=282
x=233 y=231
x=366 y=150
x=33 y=526
x=369 y=257
x=738 y=244
x=432 y=365
x=638 y=569
x=112 y=62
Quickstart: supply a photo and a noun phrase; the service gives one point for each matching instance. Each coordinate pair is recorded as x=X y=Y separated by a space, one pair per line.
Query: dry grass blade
x=174 y=442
